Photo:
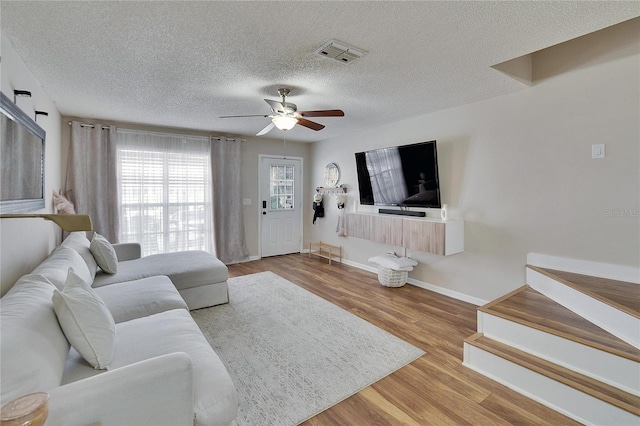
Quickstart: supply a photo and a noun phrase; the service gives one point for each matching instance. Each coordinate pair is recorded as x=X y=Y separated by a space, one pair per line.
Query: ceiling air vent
x=339 y=51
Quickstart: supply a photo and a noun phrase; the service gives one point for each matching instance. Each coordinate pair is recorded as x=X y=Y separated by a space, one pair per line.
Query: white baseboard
x=597 y=269
x=368 y=268
x=447 y=292
x=250 y=259
x=431 y=287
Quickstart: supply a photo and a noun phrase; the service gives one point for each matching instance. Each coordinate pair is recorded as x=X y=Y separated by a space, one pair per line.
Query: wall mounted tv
x=405 y=176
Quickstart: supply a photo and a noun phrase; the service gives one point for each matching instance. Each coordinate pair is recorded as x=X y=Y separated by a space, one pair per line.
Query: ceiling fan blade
x=322 y=113
x=237 y=116
x=310 y=124
x=266 y=129
x=275 y=105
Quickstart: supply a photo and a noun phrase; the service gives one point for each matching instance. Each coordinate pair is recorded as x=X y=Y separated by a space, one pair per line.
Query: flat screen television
x=405 y=176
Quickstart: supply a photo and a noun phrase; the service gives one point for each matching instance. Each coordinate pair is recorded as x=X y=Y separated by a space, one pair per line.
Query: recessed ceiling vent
x=339 y=51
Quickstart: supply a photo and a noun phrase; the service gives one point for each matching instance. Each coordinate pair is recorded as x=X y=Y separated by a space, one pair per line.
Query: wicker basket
x=391 y=278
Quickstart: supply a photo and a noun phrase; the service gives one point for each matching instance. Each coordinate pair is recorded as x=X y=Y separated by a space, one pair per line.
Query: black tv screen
x=404 y=176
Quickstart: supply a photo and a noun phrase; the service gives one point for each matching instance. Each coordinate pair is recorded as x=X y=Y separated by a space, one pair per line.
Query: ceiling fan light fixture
x=284 y=122
x=286 y=115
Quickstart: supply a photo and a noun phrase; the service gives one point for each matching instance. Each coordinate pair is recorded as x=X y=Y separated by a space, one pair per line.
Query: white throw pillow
x=104 y=253
x=55 y=267
x=85 y=321
x=33 y=349
x=79 y=242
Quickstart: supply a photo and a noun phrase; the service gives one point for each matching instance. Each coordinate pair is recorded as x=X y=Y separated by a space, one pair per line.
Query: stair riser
x=600 y=365
x=564 y=399
x=614 y=321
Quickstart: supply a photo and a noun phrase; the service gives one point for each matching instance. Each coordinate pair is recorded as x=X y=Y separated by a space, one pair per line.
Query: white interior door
x=280 y=205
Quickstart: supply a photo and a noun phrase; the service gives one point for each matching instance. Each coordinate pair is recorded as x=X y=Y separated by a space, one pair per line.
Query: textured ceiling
x=184 y=64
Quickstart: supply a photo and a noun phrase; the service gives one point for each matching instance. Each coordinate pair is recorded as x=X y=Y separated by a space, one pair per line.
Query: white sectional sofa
x=200 y=277
x=163 y=370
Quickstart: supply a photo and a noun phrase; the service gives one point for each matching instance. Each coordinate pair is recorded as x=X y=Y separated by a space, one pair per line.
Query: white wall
x=518 y=169
x=26 y=242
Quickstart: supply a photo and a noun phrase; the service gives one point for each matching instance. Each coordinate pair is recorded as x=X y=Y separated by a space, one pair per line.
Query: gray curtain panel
x=91 y=176
x=231 y=246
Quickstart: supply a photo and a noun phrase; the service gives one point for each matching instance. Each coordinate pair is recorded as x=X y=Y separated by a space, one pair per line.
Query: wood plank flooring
x=433 y=390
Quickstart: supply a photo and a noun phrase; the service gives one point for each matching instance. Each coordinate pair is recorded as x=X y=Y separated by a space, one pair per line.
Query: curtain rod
x=91 y=126
x=229 y=139
x=107 y=128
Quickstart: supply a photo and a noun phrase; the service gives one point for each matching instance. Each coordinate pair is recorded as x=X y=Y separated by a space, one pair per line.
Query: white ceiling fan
x=285 y=115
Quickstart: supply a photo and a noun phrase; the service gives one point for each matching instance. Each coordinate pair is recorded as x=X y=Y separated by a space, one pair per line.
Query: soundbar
x=402 y=212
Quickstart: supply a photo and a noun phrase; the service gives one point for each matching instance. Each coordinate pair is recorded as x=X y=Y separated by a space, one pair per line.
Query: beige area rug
x=292 y=354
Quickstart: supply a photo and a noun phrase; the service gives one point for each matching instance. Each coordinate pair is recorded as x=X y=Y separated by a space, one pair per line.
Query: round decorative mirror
x=331 y=174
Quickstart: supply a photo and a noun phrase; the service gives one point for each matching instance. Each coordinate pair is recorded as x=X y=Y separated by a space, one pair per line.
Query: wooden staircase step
x=587 y=385
x=528 y=307
x=622 y=295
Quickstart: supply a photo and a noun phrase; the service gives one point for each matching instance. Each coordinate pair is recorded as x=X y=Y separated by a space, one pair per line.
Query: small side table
x=31 y=409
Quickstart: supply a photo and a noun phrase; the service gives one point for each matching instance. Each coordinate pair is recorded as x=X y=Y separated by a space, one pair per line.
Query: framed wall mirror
x=331 y=175
x=21 y=160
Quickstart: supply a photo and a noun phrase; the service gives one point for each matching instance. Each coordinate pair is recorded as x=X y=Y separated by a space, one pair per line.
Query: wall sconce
x=68 y=222
x=46 y=114
x=20 y=93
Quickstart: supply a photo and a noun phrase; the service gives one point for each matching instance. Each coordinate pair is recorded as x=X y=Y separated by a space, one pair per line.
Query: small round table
x=28 y=410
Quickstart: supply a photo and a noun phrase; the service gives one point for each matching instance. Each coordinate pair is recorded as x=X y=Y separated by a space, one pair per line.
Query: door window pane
x=281 y=187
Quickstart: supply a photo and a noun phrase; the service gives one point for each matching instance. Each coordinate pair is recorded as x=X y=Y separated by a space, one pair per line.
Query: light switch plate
x=597 y=150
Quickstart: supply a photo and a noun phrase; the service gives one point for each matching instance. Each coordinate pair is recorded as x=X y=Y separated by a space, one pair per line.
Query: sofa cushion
x=186 y=269
x=104 y=254
x=85 y=321
x=215 y=398
x=33 y=349
x=56 y=267
x=140 y=298
x=80 y=243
